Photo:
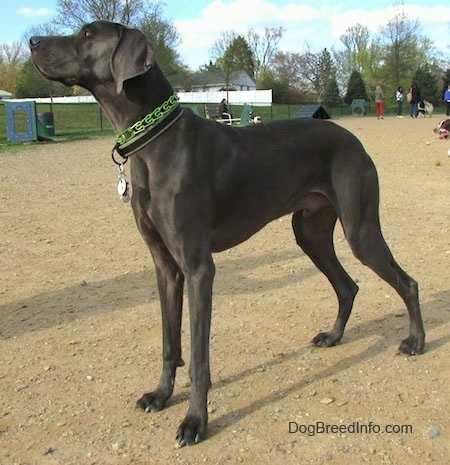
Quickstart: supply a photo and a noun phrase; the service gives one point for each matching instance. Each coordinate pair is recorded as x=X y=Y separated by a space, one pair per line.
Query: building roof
x=5 y=94
x=214 y=79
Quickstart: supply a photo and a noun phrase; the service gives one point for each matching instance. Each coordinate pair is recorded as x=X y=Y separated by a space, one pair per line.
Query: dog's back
x=429 y=107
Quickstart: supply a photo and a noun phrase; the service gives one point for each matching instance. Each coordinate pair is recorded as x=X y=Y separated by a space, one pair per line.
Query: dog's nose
x=34 y=42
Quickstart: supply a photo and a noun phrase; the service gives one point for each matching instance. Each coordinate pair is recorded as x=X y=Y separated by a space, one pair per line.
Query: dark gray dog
x=201 y=187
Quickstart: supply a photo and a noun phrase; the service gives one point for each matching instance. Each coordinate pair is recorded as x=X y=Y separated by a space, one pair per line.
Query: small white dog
x=425 y=108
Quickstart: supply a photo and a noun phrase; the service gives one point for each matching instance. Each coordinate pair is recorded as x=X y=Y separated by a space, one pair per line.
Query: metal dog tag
x=123 y=188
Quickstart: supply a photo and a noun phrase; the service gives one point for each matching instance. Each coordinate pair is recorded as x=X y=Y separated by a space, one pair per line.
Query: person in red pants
x=379 y=102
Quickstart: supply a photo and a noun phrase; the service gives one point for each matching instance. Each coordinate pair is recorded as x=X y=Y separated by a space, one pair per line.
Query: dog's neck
x=139 y=97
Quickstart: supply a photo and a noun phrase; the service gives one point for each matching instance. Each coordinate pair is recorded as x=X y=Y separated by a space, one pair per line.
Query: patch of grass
x=71 y=122
x=87 y=120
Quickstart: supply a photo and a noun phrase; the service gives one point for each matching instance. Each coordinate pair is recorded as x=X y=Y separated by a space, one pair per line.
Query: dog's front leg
x=199 y=284
x=170 y=284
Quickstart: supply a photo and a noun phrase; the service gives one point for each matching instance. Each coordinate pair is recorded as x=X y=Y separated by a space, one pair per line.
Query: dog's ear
x=133 y=56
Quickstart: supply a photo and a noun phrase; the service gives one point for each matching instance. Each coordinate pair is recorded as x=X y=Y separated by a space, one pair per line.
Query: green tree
x=210 y=67
x=238 y=56
x=32 y=84
x=165 y=38
x=12 y=57
x=362 y=53
x=231 y=52
x=332 y=95
x=356 y=88
x=428 y=84
x=403 y=49
x=280 y=88
x=356 y=41
x=326 y=75
x=400 y=44
x=146 y=15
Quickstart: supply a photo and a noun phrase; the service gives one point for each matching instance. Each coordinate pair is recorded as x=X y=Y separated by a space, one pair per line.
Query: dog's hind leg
x=313 y=227
x=170 y=284
x=363 y=232
x=370 y=248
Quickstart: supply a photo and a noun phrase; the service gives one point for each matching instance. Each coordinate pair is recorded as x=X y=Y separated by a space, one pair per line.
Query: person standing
x=399 y=96
x=447 y=99
x=415 y=99
x=379 y=102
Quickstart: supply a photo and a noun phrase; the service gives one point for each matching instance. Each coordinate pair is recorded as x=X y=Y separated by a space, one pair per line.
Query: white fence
x=72 y=99
x=254 y=97
x=234 y=97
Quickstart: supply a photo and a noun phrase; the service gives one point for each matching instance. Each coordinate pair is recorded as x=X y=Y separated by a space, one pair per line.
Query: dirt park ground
x=80 y=324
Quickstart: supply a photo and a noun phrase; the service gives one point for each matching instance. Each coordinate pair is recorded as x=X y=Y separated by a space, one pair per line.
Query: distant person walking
x=379 y=102
x=399 y=97
x=415 y=99
x=447 y=99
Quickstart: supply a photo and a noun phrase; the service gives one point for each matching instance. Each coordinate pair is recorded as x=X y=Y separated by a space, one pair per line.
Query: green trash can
x=45 y=125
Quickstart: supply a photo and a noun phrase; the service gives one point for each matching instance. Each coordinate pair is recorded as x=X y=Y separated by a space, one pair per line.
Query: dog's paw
x=326 y=339
x=152 y=401
x=412 y=345
x=191 y=431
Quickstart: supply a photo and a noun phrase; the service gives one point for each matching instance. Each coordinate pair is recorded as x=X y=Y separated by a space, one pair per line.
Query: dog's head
x=100 y=53
x=443 y=129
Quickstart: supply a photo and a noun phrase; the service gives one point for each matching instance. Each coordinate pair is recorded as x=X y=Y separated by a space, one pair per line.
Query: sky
x=308 y=24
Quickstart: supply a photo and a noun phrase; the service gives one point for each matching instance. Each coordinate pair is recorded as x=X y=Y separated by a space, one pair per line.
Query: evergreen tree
x=428 y=85
x=326 y=74
x=238 y=56
x=356 y=88
x=332 y=95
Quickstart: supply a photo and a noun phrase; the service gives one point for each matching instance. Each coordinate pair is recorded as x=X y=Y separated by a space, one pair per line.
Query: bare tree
x=232 y=53
x=264 y=47
x=356 y=41
x=72 y=14
x=221 y=45
x=287 y=67
x=315 y=71
x=12 y=57
x=13 y=54
x=146 y=15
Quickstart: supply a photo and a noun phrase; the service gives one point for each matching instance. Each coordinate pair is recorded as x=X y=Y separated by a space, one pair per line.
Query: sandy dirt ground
x=80 y=325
